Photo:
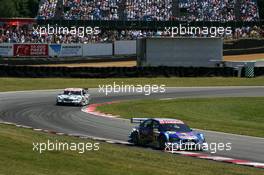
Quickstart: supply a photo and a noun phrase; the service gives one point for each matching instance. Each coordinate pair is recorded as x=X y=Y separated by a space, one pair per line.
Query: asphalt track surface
x=38 y=109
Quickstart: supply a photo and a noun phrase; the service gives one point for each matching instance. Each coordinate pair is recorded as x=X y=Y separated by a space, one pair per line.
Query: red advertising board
x=31 y=50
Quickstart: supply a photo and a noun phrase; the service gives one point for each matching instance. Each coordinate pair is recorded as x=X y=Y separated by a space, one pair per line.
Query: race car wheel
x=162 y=142
x=82 y=103
x=135 y=138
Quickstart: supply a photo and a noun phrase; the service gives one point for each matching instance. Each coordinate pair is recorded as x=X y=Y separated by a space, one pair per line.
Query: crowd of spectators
x=219 y=10
x=248 y=32
x=249 y=10
x=208 y=10
x=47 y=9
x=117 y=9
x=28 y=35
x=91 y=9
x=149 y=10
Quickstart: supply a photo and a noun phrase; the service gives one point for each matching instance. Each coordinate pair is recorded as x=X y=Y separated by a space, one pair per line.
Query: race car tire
x=162 y=142
x=82 y=103
x=135 y=138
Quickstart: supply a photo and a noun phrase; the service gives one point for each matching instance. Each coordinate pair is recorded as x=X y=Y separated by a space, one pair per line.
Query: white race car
x=74 y=96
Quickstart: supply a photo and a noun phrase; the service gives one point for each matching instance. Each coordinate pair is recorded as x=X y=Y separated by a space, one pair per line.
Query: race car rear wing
x=138 y=120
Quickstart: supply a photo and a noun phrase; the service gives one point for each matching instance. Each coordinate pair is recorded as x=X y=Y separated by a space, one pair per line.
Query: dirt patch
x=99 y=64
x=250 y=57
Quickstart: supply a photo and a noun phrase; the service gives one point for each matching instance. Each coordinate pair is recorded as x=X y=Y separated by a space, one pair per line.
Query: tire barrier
x=118 y=72
x=243 y=44
x=68 y=60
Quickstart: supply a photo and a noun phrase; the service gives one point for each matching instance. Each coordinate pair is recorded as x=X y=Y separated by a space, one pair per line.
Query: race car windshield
x=72 y=93
x=176 y=127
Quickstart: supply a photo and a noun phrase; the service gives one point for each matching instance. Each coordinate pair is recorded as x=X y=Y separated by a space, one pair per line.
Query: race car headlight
x=59 y=98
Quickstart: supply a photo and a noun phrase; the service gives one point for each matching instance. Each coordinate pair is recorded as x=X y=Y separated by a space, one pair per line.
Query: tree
x=19 y=8
x=33 y=6
x=7 y=9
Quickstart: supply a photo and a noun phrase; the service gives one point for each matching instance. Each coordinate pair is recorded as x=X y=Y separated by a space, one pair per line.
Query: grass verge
x=233 y=115
x=16 y=84
x=17 y=157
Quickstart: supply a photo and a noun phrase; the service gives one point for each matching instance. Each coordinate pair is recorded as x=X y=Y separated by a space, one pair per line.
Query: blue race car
x=165 y=133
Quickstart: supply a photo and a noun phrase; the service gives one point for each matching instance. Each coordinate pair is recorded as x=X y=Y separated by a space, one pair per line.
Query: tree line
x=19 y=8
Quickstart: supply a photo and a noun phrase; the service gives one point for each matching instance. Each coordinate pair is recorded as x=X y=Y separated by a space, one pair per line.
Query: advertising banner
x=31 y=50
x=66 y=50
x=6 y=50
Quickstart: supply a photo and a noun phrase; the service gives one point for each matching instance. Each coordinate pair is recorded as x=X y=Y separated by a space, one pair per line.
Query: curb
x=220 y=159
x=91 y=109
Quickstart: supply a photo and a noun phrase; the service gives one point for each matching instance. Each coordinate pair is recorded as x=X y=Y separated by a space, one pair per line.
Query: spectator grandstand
x=151 y=10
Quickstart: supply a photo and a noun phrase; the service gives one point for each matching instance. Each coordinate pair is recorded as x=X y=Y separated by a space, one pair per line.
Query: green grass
x=233 y=115
x=16 y=84
x=17 y=157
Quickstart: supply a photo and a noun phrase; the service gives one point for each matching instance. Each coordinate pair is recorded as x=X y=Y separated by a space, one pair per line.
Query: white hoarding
x=126 y=47
x=97 y=49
